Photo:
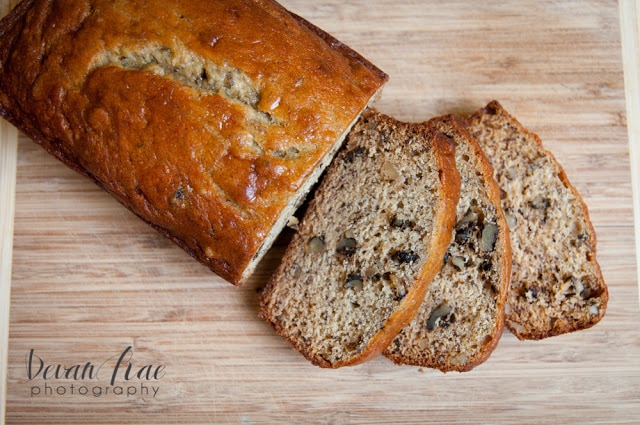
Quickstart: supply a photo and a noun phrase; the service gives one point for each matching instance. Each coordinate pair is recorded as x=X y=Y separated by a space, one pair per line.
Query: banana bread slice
x=556 y=283
x=462 y=317
x=373 y=237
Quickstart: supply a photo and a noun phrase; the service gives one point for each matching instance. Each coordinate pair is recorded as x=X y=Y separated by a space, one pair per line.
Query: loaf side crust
x=209 y=120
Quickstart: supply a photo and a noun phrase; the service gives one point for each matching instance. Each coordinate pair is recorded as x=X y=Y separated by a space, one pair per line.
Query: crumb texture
x=462 y=316
x=363 y=244
x=556 y=285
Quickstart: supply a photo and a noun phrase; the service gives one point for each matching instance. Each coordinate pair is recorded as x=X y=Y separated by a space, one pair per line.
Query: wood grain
x=90 y=280
x=630 y=40
x=8 y=162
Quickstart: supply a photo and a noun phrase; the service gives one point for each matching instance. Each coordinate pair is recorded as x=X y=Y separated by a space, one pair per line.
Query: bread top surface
x=203 y=117
x=371 y=240
x=556 y=284
x=462 y=317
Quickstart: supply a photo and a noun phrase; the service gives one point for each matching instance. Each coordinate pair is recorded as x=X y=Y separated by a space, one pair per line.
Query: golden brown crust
x=206 y=119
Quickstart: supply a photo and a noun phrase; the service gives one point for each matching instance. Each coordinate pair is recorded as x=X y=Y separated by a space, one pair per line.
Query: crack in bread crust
x=192 y=70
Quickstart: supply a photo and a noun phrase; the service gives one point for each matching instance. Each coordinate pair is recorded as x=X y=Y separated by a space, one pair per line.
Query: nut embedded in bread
x=210 y=120
x=370 y=242
x=556 y=283
x=461 y=319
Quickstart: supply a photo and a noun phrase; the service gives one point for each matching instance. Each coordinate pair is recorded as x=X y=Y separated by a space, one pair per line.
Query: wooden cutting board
x=150 y=336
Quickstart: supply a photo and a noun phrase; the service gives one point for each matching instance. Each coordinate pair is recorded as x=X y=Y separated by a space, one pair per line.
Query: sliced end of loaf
x=371 y=240
x=556 y=284
x=295 y=202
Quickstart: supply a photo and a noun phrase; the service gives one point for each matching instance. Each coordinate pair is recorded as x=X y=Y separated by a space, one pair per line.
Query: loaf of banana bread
x=209 y=120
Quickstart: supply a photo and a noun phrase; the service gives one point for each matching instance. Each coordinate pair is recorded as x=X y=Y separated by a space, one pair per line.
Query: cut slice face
x=556 y=283
x=462 y=317
x=369 y=244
